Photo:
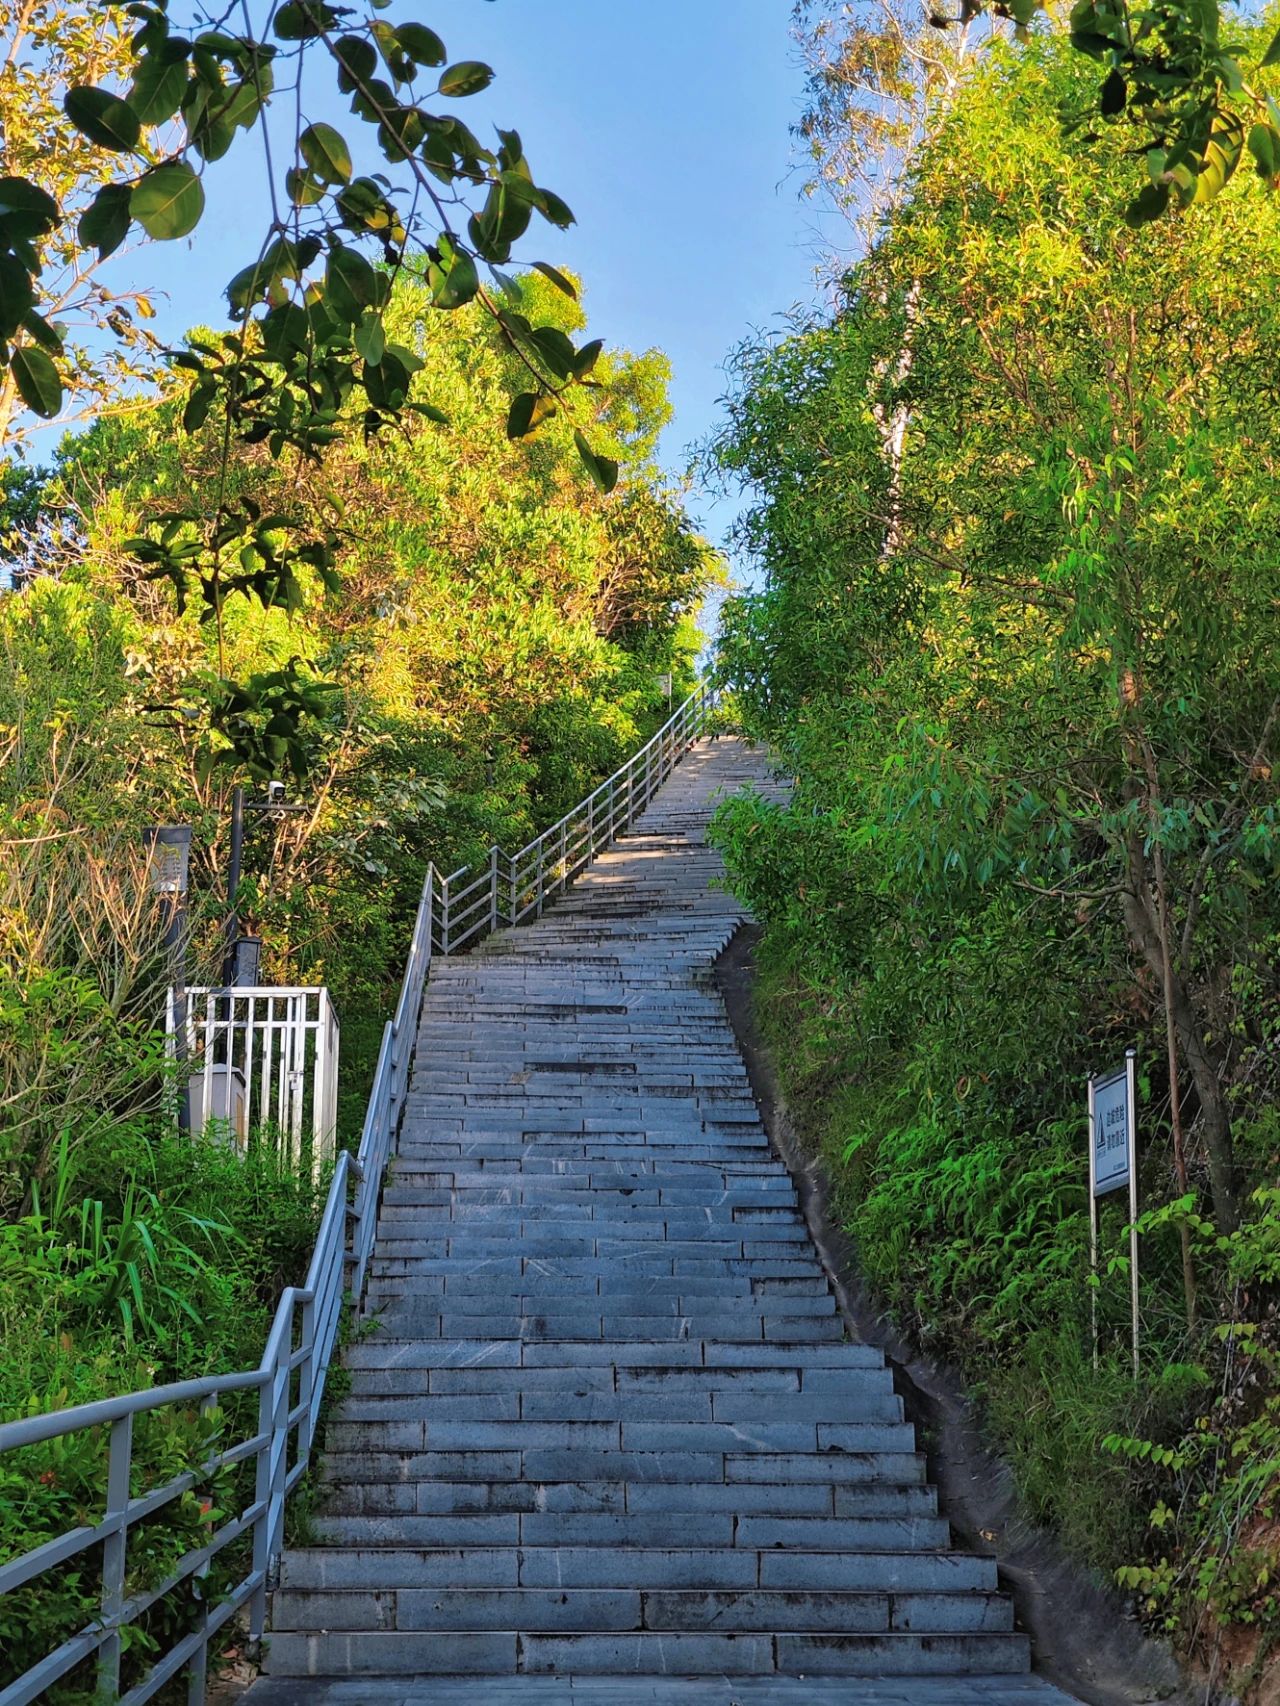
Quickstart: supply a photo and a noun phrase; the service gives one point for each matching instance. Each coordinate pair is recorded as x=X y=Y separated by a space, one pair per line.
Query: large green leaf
x=454 y=284
x=104 y=224
x=37 y=380
x=160 y=82
x=17 y=293
x=467 y=77
x=325 y=151
x=350 y=283
x=25 y=209
x=602 y=469
x=168 y=201
x=528 y=411
x=557 y=278
x=103 y=118
x=302 y=20
x=422 y=45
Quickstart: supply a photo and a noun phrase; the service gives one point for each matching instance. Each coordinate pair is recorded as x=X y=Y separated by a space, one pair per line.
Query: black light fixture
x=246 y=962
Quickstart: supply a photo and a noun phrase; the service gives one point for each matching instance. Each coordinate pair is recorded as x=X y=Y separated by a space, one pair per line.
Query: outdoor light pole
x=168 y=864
x=243 y=953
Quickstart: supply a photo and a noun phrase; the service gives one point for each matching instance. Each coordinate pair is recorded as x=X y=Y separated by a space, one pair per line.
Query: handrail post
x=306 y=1377
x=493 y=887
x=515 y=896
x=564 y=855
x=279 y=1450
x=114 y=1551
x=262 y=1522
x=444 y=889
x=198 y=1669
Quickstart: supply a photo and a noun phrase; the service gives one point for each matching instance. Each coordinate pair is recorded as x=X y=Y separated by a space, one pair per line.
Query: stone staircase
x=606 y=1421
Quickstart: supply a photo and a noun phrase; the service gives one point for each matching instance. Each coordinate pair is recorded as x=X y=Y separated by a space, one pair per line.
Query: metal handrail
x=304 y=1331
x=508 y=888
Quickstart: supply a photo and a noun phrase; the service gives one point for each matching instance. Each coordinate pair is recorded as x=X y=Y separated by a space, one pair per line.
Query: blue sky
x=663 y=124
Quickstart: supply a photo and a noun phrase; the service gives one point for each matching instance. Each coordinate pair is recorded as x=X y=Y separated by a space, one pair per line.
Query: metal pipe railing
x=304 y=1330
x=508 y=888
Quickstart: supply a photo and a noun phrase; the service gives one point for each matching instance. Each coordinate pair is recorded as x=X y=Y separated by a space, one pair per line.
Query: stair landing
x=606 y=1440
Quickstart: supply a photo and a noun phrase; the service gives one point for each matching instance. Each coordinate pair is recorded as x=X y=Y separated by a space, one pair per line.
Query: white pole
x=1131 y=1087
x=1093 y=1232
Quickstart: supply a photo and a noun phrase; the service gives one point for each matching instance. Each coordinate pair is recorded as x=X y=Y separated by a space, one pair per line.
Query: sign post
x=1113 y=1164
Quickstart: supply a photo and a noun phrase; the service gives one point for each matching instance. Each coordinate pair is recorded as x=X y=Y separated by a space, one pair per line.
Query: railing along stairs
x=453 y=914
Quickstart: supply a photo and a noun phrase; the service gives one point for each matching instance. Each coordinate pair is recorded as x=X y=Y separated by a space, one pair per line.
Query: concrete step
x=351 y=1567
x=467 y=1610
x=504 y=1653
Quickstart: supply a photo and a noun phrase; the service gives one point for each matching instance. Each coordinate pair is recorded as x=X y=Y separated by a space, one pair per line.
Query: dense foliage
x=1016 y=507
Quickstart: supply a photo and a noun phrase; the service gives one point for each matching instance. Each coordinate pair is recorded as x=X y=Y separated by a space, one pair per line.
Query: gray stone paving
x=608 y=1441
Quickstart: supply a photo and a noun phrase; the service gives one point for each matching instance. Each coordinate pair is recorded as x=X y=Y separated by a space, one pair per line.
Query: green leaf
x=103 y=118
x=40 y=329
x=350 y=284
x=302 y=189
x=1264 y=145
x=602 y=470
x=160 y=82
x=557 y=278
x=302 y=20
x=325 y=151
x=25 y=209
x=1115 y=93
x=467 y=77
x=17 y=293
x=422 y=45
x=198 y=405
x=357 y=62
x=168 y=201
x=528 y=411
x=104 y=224
x=1147 y=205
x=1272 y=55
x=370 y=339
x=587 y=357
x=555 y=349
x=456 y=287
x=552 y=208
x=37 y=380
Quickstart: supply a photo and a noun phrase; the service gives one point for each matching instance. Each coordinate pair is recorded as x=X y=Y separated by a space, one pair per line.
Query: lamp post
x=168 y=864
x=244 y=953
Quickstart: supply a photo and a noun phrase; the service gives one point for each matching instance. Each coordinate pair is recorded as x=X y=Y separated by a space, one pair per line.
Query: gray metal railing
x=453 y=913
x=510 y=888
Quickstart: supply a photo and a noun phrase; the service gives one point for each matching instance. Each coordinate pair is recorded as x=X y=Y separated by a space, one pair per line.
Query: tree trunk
x=1144 y=930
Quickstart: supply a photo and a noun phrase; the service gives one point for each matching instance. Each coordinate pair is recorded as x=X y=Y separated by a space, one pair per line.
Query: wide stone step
x=744 y=1326
x=468 y=1610
x=401 y=1525
x=704 y=1568
x=403 y=1457
x=823 y=1516
x=662 y=1653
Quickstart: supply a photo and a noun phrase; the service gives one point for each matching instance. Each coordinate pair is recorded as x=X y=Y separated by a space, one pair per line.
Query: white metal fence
x=290 y=1378
x=264 y=1060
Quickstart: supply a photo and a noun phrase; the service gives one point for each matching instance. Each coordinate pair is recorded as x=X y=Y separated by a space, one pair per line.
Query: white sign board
x=1113 y=1164
x=1112 y=1132
x=664 y=684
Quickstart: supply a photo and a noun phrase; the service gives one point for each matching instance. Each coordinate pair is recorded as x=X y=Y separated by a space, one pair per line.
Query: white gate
x=263 y=1062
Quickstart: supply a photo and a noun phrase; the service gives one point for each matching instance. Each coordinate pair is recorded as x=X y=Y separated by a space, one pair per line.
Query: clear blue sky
x=663 y=124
